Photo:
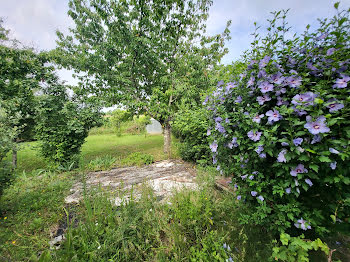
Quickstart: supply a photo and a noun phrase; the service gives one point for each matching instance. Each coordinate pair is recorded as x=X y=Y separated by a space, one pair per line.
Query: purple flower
x=218 y=119
x=208 y=132
x=299 y=112
x=333 y=165
x=266 y=87
x=281 y=156
x=262 y=99
x=311 y=67
x=257 y=118
x=251 y=177
x=296 y=182
x=244 y=177
x=220 y=128
x=304 y=99
x=334 y=106
x=280 y=101
x=288 y=190
x=321 y=37
x=239 y=197
x=230 y=86
x=277 y=78
x=303 y=224
x=262 y=155
x=262 y=73
x=273 y=116
x=251 y=81
x=308 y=181
x=246 y=113
x=284 y=144
x=218 y=168
x=317 y=126
x=227 y=121
x=255 y=136
x=263 y=62
x=259 y=149
x=233 y=143
x=300 y=169
x=342 y=82
x=333 y=151
x=253 y=193
x=213 y=146
x=255 y=172
x=238 y=99
x=297 y=141
x=220 y=83
x=298 y=190
x=261 y=198
x=330 y=51
x=293 y=81
x=317 y=138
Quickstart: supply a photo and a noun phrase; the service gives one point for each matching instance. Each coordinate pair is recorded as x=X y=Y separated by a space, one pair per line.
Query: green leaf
x=336 y=5
x=325 y=159
x=310 y=150
x=333 y=218
x=314 y=167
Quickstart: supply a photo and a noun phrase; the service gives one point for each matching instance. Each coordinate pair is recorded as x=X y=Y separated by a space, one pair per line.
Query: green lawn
x=97 y=146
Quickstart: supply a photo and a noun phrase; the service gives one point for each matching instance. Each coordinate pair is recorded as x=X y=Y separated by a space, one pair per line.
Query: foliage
x=112 y=41
x=21 y=73
x=137 y=159
x=8 y=134
x=190 y=126
x=295 y=249
x=63 y=124
x=283 y=128
x=137 y=126
x=117 y=118
x=101 y=163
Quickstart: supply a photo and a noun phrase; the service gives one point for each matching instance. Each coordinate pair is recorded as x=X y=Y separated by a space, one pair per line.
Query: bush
x=190 y=126
x=7 y=135
x=283 y=128
x=63 y=125
x=137 y=159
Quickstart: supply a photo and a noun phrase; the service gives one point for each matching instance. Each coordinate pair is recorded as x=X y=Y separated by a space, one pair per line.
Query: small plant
x=137 y=159
x=297 y=248
x=101 y=163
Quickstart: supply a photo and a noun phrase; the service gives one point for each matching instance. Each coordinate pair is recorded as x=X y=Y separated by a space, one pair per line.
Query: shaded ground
x=163 y=177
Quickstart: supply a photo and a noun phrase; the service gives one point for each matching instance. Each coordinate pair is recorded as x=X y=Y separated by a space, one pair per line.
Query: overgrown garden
x=276 y=123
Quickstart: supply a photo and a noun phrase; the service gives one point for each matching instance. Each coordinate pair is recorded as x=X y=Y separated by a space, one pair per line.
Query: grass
x=97 y=146
x=196 y=226
x=28 y=211
x=33 y=205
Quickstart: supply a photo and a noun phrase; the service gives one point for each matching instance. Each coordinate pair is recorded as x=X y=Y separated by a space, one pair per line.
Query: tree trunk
x=14 y=158
x=167 y=139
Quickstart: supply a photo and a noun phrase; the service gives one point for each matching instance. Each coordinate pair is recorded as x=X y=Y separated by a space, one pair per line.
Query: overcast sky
x=34 y=22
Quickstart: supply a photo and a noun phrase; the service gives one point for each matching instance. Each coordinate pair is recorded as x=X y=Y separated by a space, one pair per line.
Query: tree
x=146 y=55
x=21 y=72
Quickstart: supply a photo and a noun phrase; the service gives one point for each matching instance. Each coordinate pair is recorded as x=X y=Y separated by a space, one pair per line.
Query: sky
x=34 y=22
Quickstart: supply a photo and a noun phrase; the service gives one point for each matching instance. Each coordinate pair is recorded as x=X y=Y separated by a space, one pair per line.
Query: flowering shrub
x=282 y=128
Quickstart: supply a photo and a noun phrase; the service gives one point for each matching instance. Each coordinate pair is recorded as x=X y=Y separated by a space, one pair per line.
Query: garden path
x=163 y=177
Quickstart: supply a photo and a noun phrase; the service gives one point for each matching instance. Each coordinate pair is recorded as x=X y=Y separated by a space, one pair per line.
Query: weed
x=137 y=159
x=101 y=163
